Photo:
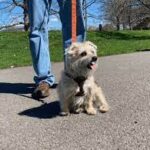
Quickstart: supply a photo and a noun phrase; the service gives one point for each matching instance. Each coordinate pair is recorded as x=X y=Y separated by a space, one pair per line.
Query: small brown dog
x=77 y=89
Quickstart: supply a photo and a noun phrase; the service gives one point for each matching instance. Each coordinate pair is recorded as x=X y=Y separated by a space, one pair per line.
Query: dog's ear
x=73 y=49
x=91 y=44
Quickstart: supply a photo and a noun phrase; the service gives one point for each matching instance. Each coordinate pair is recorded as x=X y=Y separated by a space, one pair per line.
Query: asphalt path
x=28 y=124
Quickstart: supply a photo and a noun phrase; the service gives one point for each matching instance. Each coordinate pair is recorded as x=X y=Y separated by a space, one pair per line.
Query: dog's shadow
x=45 y=111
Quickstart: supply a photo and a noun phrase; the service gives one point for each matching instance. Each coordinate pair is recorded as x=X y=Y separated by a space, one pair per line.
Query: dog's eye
x=83 y=54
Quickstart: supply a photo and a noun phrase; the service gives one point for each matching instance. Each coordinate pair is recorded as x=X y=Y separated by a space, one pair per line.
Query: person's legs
x=39 y=43
x=65 y=16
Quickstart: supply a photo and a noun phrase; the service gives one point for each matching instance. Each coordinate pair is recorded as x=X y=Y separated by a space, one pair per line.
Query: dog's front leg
x=102 y=103
x=89 y=108
x=64 y=108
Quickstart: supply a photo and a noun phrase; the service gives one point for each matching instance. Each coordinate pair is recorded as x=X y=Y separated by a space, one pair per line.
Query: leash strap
x=74 y=21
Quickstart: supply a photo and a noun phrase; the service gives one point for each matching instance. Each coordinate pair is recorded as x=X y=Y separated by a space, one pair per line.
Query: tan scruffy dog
x=77 y=89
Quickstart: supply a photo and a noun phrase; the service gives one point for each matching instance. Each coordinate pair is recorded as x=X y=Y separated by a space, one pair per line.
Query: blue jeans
x=39 y=43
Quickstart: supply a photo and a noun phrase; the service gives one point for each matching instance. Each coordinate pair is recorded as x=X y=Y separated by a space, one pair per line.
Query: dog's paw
x=64 y=113
x=104 y=108
x=78 y=111
x=91 y=111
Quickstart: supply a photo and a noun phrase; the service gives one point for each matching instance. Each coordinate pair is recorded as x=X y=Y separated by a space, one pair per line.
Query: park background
x=115 y=26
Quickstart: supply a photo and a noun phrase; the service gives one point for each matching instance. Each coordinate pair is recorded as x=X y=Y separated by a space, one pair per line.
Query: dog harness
x=80 y=81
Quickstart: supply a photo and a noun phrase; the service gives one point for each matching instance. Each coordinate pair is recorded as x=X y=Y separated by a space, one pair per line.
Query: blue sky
x=8 y=18
x=55 y=23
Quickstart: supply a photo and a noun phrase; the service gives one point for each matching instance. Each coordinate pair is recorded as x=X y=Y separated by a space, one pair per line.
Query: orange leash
x=74 y=21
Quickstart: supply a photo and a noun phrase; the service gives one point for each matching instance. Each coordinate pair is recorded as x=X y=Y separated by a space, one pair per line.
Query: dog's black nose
x=94 y=58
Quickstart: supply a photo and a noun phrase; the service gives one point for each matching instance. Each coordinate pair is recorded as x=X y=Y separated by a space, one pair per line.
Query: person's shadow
x=16 y=88
x=44 y=111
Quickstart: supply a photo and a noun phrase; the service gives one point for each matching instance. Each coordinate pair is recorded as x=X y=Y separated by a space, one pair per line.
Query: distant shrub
x=108 y=27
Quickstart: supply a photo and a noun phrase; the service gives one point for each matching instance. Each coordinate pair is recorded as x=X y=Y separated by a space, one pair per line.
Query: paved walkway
x=27 y=124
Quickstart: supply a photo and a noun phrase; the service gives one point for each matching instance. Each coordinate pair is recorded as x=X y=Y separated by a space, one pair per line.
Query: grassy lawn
x=14 y=46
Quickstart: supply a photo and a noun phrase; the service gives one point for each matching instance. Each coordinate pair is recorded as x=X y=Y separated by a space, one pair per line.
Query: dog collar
x=80 y=81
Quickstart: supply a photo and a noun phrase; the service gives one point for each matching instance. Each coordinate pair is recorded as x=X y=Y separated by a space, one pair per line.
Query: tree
x=10 y=5
x=24 y=6
x=114 y=10
x=127 y=13
x=145 y=3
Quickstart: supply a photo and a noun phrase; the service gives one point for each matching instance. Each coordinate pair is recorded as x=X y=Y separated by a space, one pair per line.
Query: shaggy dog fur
x=77 y=89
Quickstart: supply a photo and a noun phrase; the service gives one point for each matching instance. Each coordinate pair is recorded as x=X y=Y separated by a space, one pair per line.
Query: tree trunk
x=26 y=16
x=129 y=22
x=124 y=26
x=84 y=3
x=118 y=24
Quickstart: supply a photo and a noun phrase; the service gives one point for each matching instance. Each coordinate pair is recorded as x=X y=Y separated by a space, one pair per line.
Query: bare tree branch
x=20 y=4
x=145 y=3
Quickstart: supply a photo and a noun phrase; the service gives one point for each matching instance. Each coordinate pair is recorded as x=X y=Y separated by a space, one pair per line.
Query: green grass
x=110 y=43
x=14 y=46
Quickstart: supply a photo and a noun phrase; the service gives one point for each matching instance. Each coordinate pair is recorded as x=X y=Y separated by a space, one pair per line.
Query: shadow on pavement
x=44 y=111
x=143 y=50
x=121 y=36
x=16 y=88
x=19 y=88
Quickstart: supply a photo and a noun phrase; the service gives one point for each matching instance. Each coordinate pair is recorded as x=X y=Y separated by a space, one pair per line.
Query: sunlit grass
x=14 y=46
